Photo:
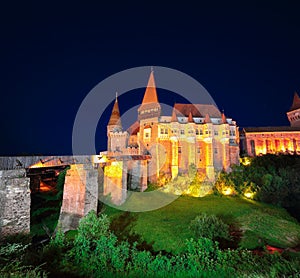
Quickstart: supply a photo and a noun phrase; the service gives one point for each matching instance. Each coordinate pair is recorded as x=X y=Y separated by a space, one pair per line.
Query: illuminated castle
x=277 y=139
x=195 y=134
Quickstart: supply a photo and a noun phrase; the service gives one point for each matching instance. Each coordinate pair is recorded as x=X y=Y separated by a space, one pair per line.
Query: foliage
x=273 y=179
x=209 y=226
x=16 y=270
x=96 y=252
x=11 y=262
x=96 y=248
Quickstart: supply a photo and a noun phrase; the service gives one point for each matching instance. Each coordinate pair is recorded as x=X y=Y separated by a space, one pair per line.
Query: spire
x=296 y=102
x=174 y=116
x=115 y=118
x=223 y=121
x=150 y=93
x=150 y=107
x=207 y=119
x=190 y=118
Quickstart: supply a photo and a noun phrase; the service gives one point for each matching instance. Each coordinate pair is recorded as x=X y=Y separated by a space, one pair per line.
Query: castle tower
x=148 y=117
x=294 y=113
x=116 y=138
x=150 y=107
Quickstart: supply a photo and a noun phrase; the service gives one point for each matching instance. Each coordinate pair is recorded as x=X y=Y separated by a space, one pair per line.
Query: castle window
x=163 y=131
x=182 y=131
x=197 y=132
x=216 y=133
x=201 y=132
x=216 y=150
x=179 y=149
x=198 y=150
x=206 y=132
x=147 y=134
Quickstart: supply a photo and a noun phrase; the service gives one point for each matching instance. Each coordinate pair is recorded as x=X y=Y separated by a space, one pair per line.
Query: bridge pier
x=14 y=202
x=80 y=195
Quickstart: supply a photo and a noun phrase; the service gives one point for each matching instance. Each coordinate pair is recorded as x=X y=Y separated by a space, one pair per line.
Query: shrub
x=209 y=226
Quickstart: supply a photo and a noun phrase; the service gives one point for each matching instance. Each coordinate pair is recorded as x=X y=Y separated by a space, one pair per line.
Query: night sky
x=247 y=56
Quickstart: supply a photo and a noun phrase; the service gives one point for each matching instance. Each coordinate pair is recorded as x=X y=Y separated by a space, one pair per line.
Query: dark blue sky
x=246 y=55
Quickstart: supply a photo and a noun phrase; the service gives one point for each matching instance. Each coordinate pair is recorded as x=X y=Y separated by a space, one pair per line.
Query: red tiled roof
x=134 y=128
x=115 y=118
x=296 y=102
x=197 y=110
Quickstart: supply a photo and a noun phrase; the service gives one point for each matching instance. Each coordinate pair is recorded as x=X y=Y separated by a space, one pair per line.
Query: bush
x=209 y=226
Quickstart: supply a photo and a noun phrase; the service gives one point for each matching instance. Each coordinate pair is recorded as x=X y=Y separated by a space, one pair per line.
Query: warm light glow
x=227 y=191
x=245 y=161
x=100 y=159
x=37 y=165
x=114 y=170
x=248 y=195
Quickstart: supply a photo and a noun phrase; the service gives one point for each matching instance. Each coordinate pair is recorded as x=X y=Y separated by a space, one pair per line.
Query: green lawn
x=167 y=228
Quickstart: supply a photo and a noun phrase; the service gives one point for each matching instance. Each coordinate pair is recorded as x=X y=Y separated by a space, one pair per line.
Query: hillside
x=252 y=224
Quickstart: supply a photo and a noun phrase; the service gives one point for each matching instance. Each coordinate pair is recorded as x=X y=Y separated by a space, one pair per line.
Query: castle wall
x=15 y=202
x=272 y=142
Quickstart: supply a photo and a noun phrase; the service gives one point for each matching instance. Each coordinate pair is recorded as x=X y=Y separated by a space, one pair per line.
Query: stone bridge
x=89 y=178
x=80 y=194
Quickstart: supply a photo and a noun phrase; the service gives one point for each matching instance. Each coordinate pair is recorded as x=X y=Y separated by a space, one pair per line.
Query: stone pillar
x=80 y=195
x=91 y=189
x=174 y=162
x=136 y=175
x=144 y=175
x=115 y=182
x=210 y=171
x=124 y=183
x=191 y=150
x=226 y=155
x=14 y=202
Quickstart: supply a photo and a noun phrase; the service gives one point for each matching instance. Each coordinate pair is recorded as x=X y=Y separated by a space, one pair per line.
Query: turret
x=294 y=113
x=150 y=107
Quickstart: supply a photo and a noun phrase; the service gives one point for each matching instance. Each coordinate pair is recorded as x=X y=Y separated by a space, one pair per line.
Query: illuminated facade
x=282 y=139
x=195 y=134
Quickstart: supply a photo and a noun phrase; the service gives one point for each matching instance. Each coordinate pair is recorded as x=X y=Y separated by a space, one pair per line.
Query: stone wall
x=14 y=202
x=80 y=195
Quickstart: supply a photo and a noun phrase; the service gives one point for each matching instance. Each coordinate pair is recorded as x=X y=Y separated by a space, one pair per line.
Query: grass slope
x=167 y=228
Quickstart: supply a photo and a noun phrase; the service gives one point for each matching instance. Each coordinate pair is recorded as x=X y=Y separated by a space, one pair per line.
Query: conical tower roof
x=190 y=118
x=174 y=116
x=150 y=106
x=296 y=102
x=150 y=95
x=223 y=118
x=115 y=118
x=207 y=119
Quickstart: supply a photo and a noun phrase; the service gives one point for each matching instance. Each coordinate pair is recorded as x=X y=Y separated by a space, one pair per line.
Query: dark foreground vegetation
x=212 y=236
x=95 y=251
